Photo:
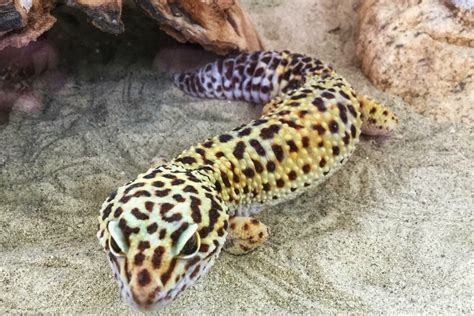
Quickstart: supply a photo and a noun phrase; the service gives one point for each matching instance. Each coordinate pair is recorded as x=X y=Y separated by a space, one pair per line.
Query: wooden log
x=12 y=15
x=104 y=14
x=39 y=21
x=217 y=25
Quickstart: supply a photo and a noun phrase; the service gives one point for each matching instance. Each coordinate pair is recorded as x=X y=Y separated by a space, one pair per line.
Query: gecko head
x=161 y=233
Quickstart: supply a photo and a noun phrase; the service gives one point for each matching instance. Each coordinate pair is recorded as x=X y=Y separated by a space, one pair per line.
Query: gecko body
x=163 y=231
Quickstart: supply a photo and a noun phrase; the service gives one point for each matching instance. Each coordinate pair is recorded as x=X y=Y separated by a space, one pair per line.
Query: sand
x=391 y=232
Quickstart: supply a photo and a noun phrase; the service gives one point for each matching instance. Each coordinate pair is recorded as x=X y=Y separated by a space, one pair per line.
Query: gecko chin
x=147 y=289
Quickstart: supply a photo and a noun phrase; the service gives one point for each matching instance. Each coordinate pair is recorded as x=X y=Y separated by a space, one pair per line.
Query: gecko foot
x=245 y=234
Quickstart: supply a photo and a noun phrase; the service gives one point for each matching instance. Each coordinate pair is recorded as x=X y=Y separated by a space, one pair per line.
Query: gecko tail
x=253 y=77
x=248 y=77
x=377 y=120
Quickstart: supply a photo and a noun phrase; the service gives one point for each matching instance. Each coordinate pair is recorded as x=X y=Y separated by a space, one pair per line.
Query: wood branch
x=104 y=14
x=217 y=25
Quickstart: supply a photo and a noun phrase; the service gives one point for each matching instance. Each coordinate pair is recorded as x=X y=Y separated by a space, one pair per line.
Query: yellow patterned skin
x=163 y=231
x=308 y=134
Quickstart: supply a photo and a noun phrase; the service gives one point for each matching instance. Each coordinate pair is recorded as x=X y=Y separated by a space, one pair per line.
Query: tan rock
x=422 y=51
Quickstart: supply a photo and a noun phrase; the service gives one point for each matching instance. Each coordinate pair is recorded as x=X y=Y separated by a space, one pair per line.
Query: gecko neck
x=220 y=175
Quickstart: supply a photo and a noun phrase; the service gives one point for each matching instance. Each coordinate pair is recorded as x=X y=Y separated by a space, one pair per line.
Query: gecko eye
x=117 y=243
x=191 y=247
x=114 y=247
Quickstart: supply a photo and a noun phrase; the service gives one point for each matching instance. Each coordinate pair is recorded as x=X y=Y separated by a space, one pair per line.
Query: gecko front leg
x=245 y=234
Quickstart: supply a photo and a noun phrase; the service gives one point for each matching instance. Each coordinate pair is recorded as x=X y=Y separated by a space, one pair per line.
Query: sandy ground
x=391 y=232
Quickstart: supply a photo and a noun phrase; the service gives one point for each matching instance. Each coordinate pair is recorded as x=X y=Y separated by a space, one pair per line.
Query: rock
x=422 y=51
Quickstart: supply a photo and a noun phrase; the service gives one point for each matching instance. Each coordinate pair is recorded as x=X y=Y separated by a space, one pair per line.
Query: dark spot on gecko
x=292 y=175
x=269 y=132
x=352 y=110
x=333 y=127
x=346 y=138
x=158 y=184
x=319 y=103
x=173 y=218
x=267 y=187
x=322 y=163
x=321 y=130
x=236 y=178
x=156 y=258
x=178 y=198
x=162 y=233
x=245 y=132
x=278 y=151
x=305 y=141
x=225 y=179
x=139 y=258
x=190 y=189
x=200 y=151
x=107 y=211
x=152 y=228
x=165 y=207
x=306 y=168
x=177 y=182
x=119 y=212
x=344 y=95
x=259 y=122
x=280 y=183
x=292 y=145
x=142 y=193
x=162 y=193
x=143 y=245
x=257 y=146
x=291 y=124
x=125 y=199
x=327 y=95
x=139 y=215
x=204 y=232
x=225 y=138
x=203 y=248
x=239 y=150
x=298 y=97
x=195 y=210
x=342 y=112
x=258 y=72
x=353 y=131
x=187 y=160
x=258 y=166
x=270 y=166
x=248 y=172
x=208 y=144
x=143 y=277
